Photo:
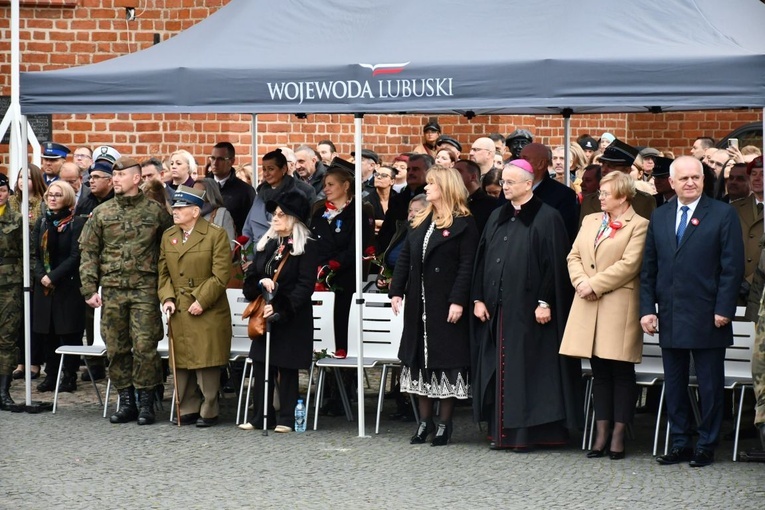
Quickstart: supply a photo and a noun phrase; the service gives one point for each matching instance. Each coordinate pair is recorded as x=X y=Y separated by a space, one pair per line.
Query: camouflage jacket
x=11 y=248
x=120 y=244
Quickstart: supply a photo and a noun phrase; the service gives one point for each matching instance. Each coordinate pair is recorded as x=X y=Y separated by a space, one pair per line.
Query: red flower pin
x=446 y=233
x=694 y=221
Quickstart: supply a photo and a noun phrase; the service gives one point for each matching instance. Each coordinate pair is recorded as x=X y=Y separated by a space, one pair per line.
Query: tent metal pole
x=357 y=122
x=567 y=145
x=254 y=149
x=26 y=263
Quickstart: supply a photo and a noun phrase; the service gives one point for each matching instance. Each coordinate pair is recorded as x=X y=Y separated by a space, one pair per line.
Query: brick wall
x=63 y=33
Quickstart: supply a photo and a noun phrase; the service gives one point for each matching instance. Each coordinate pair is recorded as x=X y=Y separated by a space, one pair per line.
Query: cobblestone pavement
x=76 y=459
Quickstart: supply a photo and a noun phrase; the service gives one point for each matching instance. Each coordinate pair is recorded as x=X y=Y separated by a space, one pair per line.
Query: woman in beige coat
x=604 y=322
x=194 y=268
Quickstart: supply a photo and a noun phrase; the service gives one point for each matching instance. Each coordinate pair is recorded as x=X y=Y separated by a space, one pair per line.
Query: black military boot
x=146 y=407
x=128 y=410
x=68 y=382
x=6 y=402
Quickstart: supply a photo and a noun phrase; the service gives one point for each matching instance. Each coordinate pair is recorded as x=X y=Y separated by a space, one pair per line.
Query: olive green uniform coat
x=197 y=270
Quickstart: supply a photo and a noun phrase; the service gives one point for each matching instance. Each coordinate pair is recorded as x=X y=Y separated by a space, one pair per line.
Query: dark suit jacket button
x=749 y=260
x=183 y=291
x=437 y=270
x=499 y=260
x=181 y=273
x=505 y=239
x=751 y=236
x=592 y=266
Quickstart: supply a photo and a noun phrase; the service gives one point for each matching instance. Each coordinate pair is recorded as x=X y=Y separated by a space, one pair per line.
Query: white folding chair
x=97 y=350
x=381 y=336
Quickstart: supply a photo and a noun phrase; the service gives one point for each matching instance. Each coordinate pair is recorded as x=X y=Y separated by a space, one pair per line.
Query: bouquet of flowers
x=385 y=274
x=325 y=276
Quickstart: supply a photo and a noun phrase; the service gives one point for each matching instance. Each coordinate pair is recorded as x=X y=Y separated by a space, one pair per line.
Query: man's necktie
x=759 y=208
x=186 y=236
x=683 y=223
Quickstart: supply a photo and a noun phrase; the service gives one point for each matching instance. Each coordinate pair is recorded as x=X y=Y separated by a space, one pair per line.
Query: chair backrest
x=240 y=340
x=323 y=321
x=738 y=357
x=381 y=330
x=651 y=364
x=98 y=340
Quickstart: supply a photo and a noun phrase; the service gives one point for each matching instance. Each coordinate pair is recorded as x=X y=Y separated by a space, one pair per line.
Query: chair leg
x=250 y=382
x=658 y=421
x=692 y=395
x=380 y=397
x=344 y=395
x=415 y=409
x=172 y=407
x=308 y=390
x=108 y=392
x=738 y=422
x=241 y=392
x=58 y=381
x=92 y=379
x=366 y=378
x=319 y=394
x=592 y=430
x=587 y=402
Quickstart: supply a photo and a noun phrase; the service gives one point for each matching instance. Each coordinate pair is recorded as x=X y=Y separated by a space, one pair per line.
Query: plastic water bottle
x=300 y=416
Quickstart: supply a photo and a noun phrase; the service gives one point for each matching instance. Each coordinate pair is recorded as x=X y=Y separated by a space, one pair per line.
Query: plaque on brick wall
x=42 y=125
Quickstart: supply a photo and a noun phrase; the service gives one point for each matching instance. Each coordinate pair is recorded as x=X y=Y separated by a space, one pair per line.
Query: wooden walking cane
x=175 y=375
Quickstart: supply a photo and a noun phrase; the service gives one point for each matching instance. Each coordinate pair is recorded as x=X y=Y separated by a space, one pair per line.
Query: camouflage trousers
x=131 y=326
x=758 y=370
x=10 y=322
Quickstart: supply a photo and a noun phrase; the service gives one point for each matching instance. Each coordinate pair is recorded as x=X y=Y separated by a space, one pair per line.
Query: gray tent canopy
x=502 y=56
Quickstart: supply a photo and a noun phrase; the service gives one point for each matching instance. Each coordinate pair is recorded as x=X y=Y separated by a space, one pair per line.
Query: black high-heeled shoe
x=616 y=455
x=442 y=435
x=596 y=454
x=423 y=431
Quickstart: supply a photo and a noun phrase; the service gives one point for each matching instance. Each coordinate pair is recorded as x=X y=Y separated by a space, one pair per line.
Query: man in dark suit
x=237 y=194
x=692 y=268
x=552 y=193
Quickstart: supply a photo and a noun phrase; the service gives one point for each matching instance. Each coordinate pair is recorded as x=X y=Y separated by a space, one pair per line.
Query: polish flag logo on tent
x=378 y=69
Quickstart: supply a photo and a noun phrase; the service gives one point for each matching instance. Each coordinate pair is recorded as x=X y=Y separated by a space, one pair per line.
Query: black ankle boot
x=423 y=431
x=68 y=382
x=146 y=407
x=48 y=384
x=443 y=432
x=128 y=410
x=6 y=402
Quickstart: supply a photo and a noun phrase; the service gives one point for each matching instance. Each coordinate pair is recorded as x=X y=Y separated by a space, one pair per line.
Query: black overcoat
x=520 y=261
x=292 y=334
x=445 y=275
x=64 y=307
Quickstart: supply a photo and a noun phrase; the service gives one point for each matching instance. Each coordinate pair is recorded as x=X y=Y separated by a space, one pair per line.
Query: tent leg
x=357 y=121
x=567 y=145
x=254 y=149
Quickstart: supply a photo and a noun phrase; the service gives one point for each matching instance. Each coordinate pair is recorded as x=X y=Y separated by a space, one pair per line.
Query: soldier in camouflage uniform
x=120 y=248
x=11 y=243
x=755 y=312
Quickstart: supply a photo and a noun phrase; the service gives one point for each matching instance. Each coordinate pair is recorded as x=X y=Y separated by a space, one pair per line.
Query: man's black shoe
x=675 y=456
x=186 y=419
x=702 y=458
x=207 y=422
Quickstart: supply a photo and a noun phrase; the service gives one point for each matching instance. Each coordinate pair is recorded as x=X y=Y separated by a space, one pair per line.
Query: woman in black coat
x=292 y=332
x=333 y=228
x=58 y=307
x=434 y=272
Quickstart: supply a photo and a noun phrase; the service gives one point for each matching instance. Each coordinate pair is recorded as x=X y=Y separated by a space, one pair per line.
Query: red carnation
x=370 y=251
x=242 y=240
x=333 y=265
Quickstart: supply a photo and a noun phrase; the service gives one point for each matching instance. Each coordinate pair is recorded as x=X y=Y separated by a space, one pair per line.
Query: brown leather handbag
x=256 y=325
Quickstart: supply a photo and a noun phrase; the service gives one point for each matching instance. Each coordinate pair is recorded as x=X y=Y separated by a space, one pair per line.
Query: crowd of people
x=512 y=268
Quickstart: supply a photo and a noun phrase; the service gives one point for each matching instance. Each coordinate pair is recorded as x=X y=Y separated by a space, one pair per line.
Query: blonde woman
x=434 y=272
x=182 y=169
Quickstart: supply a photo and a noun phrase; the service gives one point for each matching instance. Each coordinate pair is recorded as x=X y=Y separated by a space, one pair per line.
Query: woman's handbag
x=256 y=325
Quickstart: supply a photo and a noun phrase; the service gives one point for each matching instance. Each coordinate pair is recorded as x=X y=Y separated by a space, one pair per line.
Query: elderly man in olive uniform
x=120 y=249
x=10 y=290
